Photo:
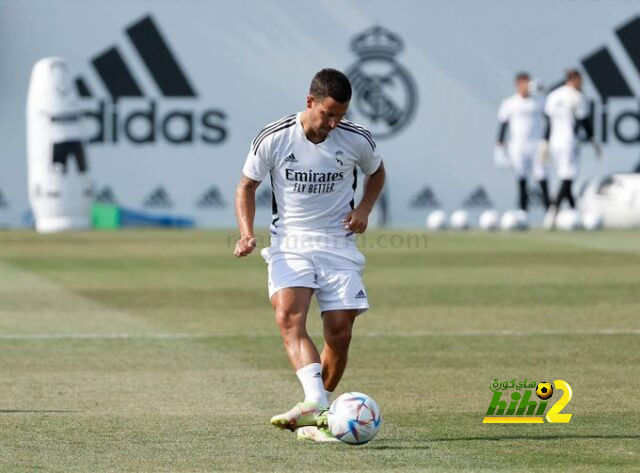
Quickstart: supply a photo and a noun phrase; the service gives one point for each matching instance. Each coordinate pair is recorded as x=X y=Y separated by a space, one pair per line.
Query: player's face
x=522 y=86
x=577 y=82
x=325 y=114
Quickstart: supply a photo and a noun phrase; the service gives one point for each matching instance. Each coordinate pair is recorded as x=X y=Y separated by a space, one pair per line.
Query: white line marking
x=193 y=336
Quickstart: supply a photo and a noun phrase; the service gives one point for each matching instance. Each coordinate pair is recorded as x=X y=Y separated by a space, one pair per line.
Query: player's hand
x=245 y=246
x=500 y=156
x=356 y=221
x=597 y=149
x=543 y=152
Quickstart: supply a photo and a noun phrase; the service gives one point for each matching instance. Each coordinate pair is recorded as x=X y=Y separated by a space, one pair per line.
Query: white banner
x=174 y=92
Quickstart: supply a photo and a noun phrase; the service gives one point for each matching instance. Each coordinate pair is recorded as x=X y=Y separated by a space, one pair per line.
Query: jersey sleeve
x=370 y=158
x=504 y=111
x=258 y=163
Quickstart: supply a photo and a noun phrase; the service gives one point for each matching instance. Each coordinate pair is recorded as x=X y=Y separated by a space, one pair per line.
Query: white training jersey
x=525 y=116
x=313 y=184
x=565 y=106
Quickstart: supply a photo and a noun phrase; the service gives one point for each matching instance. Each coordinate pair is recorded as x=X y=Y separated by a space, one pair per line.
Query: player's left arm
x=584 y=121
x=358 y=219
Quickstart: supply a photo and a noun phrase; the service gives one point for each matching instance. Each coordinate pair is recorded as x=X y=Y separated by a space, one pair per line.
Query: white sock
x=328 y=394
x=310 y=377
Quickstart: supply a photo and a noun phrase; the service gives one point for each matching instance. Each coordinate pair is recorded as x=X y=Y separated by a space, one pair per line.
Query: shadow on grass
x=423 y=445
x=35 y=411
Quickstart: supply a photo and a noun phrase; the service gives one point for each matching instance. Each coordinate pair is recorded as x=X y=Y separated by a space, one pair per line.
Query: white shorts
x=335 y=274
x=523 y=158
x=567 y=160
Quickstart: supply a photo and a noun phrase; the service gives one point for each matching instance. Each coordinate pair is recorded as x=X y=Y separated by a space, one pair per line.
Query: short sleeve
x=258 y=163
x=370 y=159
x=504 y=111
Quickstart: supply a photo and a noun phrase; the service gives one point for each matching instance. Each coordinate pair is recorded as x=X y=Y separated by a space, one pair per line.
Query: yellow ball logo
x=544 y=390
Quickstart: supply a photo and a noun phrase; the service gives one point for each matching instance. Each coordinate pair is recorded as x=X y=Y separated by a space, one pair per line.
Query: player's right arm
x=245 y=203
x=504 y=113
x=255 y=169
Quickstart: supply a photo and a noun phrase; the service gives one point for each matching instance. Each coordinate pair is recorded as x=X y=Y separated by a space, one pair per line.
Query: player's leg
x=291 y=284
x=544 y=189
x=522 y=191
x=540 y=175
x=520 y=163
x=570 y=198
x=568 y=172
x=341 y=297
x=559 y=156
x=566 y=193
x=337 y=329
x=291 y=305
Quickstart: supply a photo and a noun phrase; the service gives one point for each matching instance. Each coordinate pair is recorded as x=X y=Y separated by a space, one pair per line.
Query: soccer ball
x=459 y=220
x=354 y=418
x=514 y=220
x=437 y=220
x=568 y=220
x=489 y=220
x=592 y=221
x=544 y=390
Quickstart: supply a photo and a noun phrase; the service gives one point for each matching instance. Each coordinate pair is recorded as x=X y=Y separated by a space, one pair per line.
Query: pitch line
x=204 y=335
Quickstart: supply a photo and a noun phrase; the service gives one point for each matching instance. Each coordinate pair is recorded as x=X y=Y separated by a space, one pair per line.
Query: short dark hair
x=522 y=76
x=573 y=74
x=330 y=83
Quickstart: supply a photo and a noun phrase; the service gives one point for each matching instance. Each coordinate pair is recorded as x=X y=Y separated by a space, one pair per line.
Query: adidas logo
x=291 y=159
x=115 y=120
x=3 y=202
x=211 y=198
x=609 y=81
x=158 y=198
x=105 y=196
x=360 y=295
x=425 y=198
x=478 y=199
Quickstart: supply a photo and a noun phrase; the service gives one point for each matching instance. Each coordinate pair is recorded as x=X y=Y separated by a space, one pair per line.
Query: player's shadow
x=425 y=444
x=36 y=411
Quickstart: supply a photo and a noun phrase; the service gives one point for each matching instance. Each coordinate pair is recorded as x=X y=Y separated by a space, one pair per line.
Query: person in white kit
x=568 y=111
x=312 y=159
x=522 y=114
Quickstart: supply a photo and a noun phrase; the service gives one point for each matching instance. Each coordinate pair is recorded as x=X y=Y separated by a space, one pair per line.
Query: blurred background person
x=568 y=112
x=521 y=115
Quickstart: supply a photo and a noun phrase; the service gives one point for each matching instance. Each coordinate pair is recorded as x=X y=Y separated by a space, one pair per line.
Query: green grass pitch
x=157 y=351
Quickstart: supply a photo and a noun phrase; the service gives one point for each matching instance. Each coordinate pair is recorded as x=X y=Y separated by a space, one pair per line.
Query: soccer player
x=523 y=115
x=312 y=159
x=567 y=110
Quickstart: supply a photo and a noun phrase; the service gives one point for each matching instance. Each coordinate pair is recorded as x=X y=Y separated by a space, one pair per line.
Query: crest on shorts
x=385 y=94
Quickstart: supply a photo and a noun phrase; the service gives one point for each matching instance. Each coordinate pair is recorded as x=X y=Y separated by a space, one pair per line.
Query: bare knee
x=290 y=322
x=338 y=337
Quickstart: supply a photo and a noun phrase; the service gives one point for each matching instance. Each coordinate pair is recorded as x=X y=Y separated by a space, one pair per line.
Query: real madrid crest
x=385 y=95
